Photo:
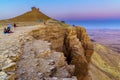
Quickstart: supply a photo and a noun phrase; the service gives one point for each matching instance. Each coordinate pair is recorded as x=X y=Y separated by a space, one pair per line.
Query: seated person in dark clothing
x=5 y=30
x=8 y=29
x=14 y=25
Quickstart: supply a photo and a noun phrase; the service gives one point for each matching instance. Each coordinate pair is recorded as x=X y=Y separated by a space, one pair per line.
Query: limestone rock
x=86 y=43
x=59 y=58
x=14 y=57
x=71 y=69
x=45 y=68
x=77 y=55
x=9 y=67
x=73 y=42
x=62 y=73
x=44 y=54
x=3 y=75
x=11 y=77
x=4 y=62
x=55 y=78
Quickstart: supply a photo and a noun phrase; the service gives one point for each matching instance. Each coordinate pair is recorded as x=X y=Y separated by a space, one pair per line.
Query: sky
x=63 y=9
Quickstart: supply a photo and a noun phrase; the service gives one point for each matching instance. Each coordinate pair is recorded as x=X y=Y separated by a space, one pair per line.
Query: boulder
x=11 y=77
x=3 y=75
x=14 y=57
x=10 y=67
x=55 y=78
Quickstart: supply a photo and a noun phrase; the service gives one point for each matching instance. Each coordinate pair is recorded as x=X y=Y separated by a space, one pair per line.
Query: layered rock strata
x=48 y=53
x=73 y=42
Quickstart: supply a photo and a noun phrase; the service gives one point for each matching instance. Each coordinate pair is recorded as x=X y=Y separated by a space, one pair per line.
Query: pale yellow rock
x=11 y=77
x=8 y=61
x=4 y=61
x=56 y=78
x=44 y=54
x=61 y=61
x=6 y=52
x=3 y=75
x=9 y=67
x=14 y=57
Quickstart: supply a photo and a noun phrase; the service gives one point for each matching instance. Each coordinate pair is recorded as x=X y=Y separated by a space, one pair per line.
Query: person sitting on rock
x=9 y=28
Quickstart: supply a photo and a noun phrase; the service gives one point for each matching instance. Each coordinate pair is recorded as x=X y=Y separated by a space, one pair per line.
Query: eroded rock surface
x=49 y=53
x=73 y=42
x=11 y=50
x=43 y=63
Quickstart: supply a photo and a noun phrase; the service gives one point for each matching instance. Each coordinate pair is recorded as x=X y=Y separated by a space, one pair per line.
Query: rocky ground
x=25 y=58
x=46 y=53
x=10 y=50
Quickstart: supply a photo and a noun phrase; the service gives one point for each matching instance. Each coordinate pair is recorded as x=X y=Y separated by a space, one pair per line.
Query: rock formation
x=73 y=42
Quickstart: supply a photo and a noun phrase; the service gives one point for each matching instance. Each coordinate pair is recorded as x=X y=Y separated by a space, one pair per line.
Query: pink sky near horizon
x=90 y=15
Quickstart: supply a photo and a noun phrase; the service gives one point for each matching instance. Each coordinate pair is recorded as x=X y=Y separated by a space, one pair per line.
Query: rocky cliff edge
x=48 y=53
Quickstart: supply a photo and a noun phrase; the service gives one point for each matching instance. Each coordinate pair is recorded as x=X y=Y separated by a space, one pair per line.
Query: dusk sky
x=63 y=9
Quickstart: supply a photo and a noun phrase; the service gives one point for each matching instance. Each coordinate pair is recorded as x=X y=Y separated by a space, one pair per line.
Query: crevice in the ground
x=73 y=42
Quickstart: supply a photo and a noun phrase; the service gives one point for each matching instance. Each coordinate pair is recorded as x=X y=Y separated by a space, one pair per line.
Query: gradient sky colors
x=64 y=9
